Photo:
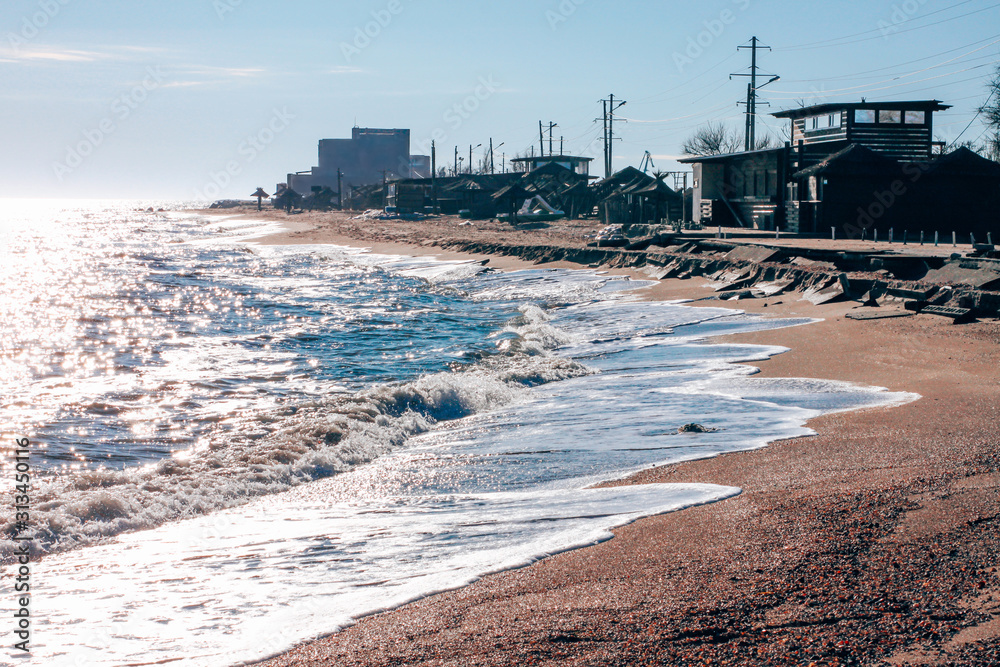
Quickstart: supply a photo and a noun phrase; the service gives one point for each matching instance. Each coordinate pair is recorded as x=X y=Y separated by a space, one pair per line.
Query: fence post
x=833 y=233
x=905 y=234
x=936 y=235
x=954 y=239
x=890 y=235
x=921 y=238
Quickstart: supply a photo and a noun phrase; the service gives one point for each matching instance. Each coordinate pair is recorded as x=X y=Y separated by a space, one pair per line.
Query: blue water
x=381 y=427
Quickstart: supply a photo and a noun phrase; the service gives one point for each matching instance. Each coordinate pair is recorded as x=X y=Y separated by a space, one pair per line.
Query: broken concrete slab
x=832 y=291
x=965 y=273
x=814 y=264
x=912 y=293
x=878 y=314
x=752 y=253
x=775 y=287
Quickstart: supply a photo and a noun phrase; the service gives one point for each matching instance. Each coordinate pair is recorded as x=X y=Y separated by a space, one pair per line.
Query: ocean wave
x=274 y=451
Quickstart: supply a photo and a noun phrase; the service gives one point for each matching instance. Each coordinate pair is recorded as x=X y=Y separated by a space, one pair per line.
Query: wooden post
x=921 y=238
x=833 y=233
x=936 y=238
x=954 y=239
x=890 y=236
x=876 y=235
x=905 y=234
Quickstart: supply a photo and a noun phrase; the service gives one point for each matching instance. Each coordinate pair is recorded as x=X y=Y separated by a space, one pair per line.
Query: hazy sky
x=180 y=98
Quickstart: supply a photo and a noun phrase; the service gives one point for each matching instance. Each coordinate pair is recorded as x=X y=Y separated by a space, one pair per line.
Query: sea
x=237 y=447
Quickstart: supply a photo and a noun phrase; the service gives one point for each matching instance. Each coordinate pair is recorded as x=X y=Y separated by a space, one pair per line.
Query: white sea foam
x=293 y=517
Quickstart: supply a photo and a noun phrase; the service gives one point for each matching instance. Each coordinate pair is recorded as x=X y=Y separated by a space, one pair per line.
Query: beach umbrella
x=261 y=196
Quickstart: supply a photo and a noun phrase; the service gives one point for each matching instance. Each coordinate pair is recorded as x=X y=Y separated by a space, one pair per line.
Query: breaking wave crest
x=275 y=451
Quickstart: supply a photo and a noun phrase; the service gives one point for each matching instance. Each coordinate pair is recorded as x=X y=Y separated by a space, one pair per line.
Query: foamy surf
x=303 y=436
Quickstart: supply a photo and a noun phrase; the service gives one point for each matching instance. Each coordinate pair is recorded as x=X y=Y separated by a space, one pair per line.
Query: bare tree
x=718 y=139
x=991 y=115
x=712 y=139
x=971 y=145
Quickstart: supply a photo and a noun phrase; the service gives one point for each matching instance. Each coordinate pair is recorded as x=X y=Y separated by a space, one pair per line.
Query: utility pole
x=609 y=132
x=562 y=145
x=340 y=188
x=604 y=119
x=471 y=148
x=750 y=131
x=541 y=139
x=455 y=172
x=551 y=127
x=434 y=187
x=491 y=155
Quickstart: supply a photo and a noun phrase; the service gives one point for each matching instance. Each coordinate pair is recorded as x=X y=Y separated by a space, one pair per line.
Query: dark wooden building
x=855 y=167
x=902 y=130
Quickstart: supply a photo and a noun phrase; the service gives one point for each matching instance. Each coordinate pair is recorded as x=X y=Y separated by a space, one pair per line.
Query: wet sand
x=874 y=542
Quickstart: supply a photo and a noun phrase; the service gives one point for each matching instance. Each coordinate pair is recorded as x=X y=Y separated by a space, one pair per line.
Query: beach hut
x=658 y=201
x=513 y=196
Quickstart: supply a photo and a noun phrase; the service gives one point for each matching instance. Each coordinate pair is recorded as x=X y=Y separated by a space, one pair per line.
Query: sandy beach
x=874 y=542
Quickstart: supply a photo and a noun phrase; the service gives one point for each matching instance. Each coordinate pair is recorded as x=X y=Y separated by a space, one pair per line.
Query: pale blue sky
x=144 y=98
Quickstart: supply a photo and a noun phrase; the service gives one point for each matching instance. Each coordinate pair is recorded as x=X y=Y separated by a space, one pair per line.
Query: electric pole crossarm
x=750 y=136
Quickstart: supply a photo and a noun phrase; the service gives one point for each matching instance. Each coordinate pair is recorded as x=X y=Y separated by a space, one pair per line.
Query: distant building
x=855 y=167
x=368 y=157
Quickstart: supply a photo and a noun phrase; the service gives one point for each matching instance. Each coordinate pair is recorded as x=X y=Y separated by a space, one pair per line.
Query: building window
x=864 y=115
x=890 y=117
x=823 y=122
x=916 y=118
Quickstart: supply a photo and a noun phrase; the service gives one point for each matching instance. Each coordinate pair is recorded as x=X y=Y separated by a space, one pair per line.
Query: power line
x=903 y=64
x=868 y=88
x=979 y=113
x=826 y=43
x=908 y=74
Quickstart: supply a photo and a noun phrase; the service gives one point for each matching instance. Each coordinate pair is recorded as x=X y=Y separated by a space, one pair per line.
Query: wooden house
x=855 y=167
x=740 y=189
x=902 y=130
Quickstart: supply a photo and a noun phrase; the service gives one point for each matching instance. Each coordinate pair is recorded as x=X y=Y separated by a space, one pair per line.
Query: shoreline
x=872 y=542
